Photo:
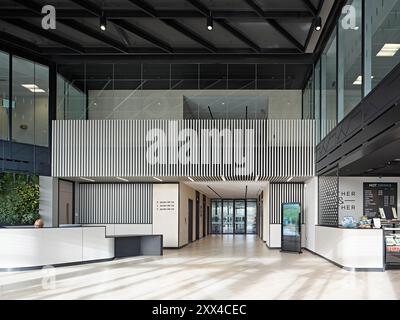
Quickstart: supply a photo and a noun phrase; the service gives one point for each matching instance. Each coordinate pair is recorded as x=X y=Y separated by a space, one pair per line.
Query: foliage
x=19 y=199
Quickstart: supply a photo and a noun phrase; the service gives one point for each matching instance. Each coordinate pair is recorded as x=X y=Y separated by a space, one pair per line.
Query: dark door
x=208 y=217
x=65 y=202
x=190 y=220
x=197 y=215
x=204 y=216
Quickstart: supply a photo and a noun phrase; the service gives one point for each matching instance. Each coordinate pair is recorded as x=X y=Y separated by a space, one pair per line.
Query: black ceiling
x=148 y=27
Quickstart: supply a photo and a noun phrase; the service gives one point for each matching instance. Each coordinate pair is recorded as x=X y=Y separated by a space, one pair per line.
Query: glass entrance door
x=240 y=216
x=216 y=214
x=251 y=223
x=233 y=216
x=227 y=219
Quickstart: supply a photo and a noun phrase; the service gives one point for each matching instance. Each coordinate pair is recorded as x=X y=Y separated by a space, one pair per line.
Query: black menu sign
x=380 y=195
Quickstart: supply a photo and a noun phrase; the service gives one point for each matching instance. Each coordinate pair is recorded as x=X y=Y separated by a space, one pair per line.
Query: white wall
x=166 y=213
x=48 y=201
x=168 y=104
x=310 y=212
x=356 y=184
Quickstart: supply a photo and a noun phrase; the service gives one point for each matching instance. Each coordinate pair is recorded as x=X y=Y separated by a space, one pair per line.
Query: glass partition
x=329 y=87
x=350 y=77
x=382 y=37
x=4 y=94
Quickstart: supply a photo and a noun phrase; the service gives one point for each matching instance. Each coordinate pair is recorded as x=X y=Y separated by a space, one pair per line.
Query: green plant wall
x=19 y=199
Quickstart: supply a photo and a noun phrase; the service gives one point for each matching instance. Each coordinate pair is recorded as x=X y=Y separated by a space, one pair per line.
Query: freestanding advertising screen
x=291 y=227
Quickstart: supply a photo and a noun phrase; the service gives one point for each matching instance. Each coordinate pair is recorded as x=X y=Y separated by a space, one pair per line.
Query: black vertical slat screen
x=328 y=213
x=115 y=203
x=284 y=193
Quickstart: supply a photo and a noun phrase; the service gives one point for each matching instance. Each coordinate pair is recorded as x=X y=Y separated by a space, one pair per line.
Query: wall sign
x=378 y=196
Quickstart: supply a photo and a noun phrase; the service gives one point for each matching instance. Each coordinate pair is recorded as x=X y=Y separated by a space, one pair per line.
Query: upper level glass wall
x=382 y=38
x=30 y=117
x=4 y=93
x=24 y=148
x=350 y=78
x=180 y=91
x=366 y=50
x=329 y=87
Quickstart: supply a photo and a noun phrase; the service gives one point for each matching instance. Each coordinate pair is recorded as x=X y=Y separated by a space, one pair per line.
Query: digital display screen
x=291 y=219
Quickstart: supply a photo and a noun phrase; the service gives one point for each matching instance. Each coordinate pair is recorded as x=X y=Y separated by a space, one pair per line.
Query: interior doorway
x=65 y=202
x=190 y=220
x=237 y=216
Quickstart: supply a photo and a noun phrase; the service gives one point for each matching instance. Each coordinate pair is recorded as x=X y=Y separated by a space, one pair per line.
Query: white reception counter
x=24 y=248
x=352 y=249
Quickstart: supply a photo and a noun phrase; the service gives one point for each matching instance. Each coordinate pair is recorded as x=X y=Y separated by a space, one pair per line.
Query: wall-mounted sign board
x=380 y=199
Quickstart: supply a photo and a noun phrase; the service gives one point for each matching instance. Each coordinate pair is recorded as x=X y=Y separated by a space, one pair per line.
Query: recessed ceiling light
x=158 y=179
x=86 y=179
x=358 y=81
x=389 y=50
x=122 y=179
x=190 y=179
x=223 y=178
x=258 y=177
x=290 y=179
x=33 y=88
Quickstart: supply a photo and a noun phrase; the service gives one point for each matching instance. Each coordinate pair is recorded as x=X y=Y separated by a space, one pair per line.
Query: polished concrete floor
x=217 y=267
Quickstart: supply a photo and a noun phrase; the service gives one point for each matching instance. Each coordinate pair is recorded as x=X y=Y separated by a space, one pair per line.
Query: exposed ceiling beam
x=225 y=24
x=311 y=7
x=97 y=11
x=89 y=6
x=238 y=34
x=36 y=8
x=190 y=34
x=242 y=16
x=145 y=50
x=142 y=34
x=194 y=58
x=14 y=41
x=276 y=25
x=174 y=24
x=47 y=34
x=80 y=27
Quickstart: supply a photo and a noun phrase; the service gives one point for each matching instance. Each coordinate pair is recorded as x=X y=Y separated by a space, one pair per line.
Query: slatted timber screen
x=284 y=193
x=115 y=203
x=111 y=148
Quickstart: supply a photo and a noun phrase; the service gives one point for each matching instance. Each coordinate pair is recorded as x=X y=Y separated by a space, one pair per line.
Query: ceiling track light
x=210 y=22
x=318 y=24
x=103 y=22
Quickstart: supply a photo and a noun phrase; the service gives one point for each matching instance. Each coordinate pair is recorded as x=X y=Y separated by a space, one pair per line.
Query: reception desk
x=351 y=249
x=29 y=248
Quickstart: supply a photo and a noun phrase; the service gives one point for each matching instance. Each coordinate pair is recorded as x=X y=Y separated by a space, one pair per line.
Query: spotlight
x=103 y=22
x=318 y=23
x=210 y=22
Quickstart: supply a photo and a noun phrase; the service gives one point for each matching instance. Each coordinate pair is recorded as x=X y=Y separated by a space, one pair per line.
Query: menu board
x=378 y=197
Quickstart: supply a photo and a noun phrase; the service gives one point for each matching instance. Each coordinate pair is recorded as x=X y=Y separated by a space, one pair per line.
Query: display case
x=392 y=245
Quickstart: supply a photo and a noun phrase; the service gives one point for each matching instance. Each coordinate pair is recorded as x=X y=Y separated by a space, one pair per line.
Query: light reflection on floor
x=228 y=267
